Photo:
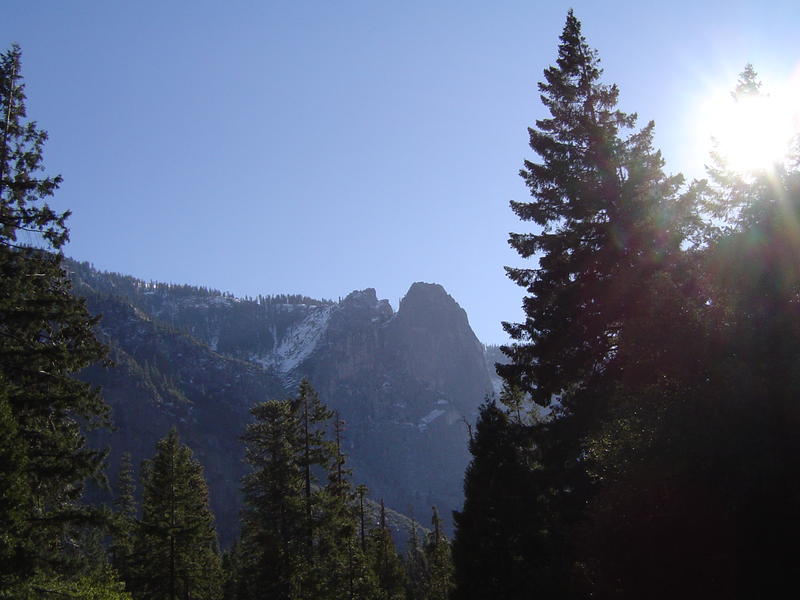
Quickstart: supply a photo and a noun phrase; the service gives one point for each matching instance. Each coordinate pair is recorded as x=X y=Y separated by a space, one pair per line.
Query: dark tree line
x=661 y=337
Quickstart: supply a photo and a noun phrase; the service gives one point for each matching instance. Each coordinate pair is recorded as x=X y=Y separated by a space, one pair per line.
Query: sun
x=752 y=132
x=753 y=129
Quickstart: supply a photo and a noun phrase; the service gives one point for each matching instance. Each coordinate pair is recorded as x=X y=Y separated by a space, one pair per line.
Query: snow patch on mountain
x=429 y=418
x=299 y=341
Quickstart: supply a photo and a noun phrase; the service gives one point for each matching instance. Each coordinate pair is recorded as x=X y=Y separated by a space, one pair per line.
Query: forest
x=643 y=446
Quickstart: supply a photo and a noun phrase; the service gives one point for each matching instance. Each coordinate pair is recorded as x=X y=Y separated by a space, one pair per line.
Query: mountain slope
x=405 y=382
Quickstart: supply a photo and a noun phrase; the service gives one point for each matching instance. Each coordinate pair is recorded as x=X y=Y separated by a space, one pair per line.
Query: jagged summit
x=360 y=301
x=426 y=304
x=366 y=296
x=429 y=291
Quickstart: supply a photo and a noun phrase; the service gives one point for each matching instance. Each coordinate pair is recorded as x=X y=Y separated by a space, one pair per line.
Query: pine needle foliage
x=300 y=529
x=175 y=553
x=609 y=221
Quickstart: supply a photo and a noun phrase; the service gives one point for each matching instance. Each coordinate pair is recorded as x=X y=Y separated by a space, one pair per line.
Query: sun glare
x=753 y=132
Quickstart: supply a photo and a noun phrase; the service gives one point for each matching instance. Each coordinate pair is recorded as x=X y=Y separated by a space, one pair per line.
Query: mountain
x=406 y=383
x=493 y=356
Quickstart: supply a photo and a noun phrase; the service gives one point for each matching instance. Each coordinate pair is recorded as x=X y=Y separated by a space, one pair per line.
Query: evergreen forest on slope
x=643 y=444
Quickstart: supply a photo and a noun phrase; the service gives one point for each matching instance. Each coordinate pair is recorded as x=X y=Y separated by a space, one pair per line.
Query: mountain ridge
x=406 y=381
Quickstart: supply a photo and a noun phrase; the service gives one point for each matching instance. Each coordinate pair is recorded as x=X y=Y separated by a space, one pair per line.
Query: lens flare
x=753 y=132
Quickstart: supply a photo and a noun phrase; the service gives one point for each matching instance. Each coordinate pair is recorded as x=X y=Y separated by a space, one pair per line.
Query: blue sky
x=321 y=147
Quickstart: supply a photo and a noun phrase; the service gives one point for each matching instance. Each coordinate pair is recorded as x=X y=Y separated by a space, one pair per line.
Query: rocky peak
x=363 y=306
x=429 y=306
x=432 y=338
x=431 y=292
x=367 y=297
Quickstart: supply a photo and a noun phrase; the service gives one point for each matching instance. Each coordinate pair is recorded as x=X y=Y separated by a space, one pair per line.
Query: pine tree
x=340 y=561
x=384 y=561
x=16 y=554
x=22 y=209
x=299 y=533
x=362 y=582
x=125 y=521
x=611 y=271
x=503 y=545
x=361 y=490
x=315 y=451
x=46 y=337
x=274 y=528
x=416 y=565
x=175 y=551
x=439 y=560
x=610 y=222
x=235 y=575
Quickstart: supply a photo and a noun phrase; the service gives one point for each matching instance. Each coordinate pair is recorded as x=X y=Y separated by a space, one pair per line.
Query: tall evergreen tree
x=274 y=529
x=341 y=562
x=502 y=546
x=439 y=561
x=175 y=552
x=609 y=241
x=299 y=533
x=16 y=554
x=46 y=337
x=610 y=221
x=416 y=565
x=315 y=451
x=648 y=495
x=233 y=573
x=361 y=490
x=125 y=522
x=385 y=562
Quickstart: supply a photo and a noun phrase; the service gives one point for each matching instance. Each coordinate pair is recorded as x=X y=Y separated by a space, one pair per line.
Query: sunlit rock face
x=405 y=382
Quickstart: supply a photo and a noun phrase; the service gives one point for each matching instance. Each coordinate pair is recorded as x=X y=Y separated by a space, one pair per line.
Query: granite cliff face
x=405 y=382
